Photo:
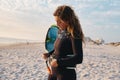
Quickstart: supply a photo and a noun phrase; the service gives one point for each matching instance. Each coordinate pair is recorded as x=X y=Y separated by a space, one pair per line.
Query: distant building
x=98 y=41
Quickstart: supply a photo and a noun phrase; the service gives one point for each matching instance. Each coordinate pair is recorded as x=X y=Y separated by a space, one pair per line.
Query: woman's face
x=60 y=23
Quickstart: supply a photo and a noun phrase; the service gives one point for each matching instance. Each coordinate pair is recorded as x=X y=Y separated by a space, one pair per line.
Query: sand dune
x=24 y=62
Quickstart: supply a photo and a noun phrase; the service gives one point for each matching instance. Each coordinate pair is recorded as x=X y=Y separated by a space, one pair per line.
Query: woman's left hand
x=54 y=63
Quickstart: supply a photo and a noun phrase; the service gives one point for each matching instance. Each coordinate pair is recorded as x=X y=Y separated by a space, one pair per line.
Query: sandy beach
x=24 y=62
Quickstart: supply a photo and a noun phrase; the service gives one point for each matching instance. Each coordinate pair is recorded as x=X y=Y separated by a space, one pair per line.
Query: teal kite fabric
x=51 y=37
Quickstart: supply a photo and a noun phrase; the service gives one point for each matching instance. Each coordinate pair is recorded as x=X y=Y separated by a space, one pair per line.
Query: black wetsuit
x=68 y=52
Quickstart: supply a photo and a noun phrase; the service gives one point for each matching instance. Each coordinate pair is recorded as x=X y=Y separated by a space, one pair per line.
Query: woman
x=68 y=46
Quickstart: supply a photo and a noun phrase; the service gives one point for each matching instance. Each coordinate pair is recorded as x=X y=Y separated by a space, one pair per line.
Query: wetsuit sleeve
x=77 y=57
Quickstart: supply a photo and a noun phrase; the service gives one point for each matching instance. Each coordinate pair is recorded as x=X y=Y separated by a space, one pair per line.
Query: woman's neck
x=64 y=28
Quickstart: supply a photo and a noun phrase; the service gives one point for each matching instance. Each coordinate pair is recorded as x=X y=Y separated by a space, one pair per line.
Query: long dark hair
x=66 y=13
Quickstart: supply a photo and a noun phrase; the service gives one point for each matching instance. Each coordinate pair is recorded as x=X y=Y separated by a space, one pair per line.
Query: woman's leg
x=67 y=74
x=51 y=77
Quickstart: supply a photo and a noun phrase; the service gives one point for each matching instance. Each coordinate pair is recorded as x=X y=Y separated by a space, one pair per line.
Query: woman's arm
x=46 y=55
x=77 y=57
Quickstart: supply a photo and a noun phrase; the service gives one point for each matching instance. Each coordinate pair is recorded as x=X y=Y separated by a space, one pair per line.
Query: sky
x=30 y=19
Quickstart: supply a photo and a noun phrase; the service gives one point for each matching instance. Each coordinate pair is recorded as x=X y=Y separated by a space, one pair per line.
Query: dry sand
x=24 y=62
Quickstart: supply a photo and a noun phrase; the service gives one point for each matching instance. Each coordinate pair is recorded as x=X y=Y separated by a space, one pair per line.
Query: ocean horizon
x=6 y=40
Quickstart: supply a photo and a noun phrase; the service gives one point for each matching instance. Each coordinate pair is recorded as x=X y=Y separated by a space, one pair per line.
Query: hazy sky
x=30 y=19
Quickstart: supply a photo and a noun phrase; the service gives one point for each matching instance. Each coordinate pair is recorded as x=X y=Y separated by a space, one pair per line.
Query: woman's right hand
x=45 y=55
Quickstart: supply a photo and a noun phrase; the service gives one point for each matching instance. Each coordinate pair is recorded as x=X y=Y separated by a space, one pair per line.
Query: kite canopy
x=51 y=37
